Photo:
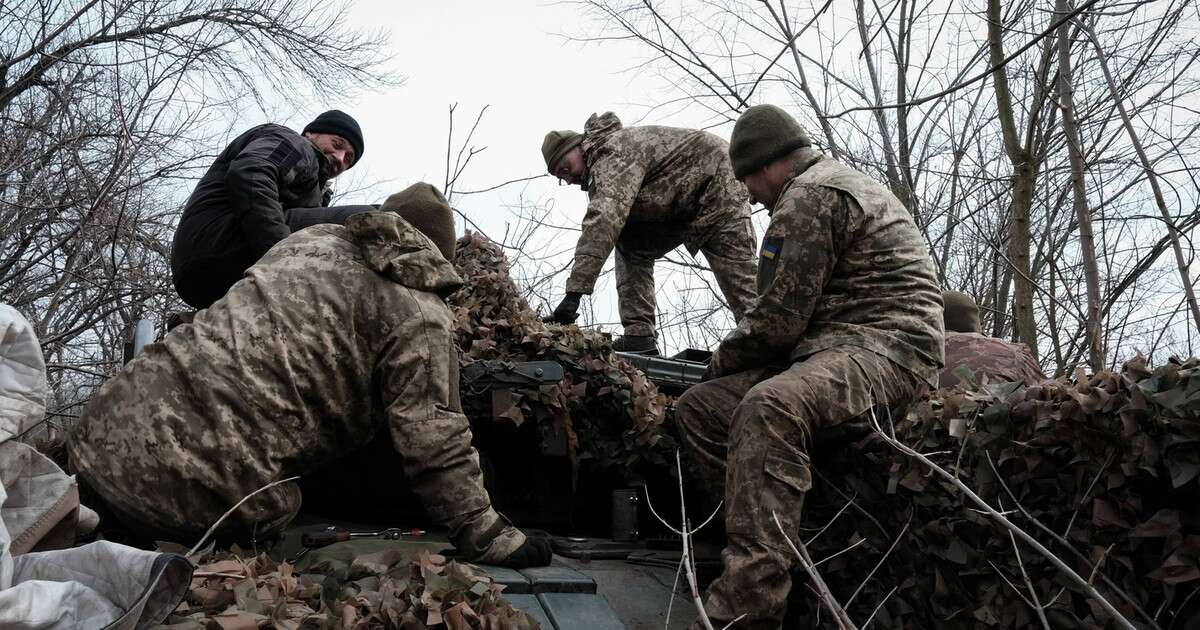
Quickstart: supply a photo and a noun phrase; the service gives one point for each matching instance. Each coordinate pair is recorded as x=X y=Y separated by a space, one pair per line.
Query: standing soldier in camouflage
x=848 y=319
x=999 y=360
x=651 y=189
x=337 y=333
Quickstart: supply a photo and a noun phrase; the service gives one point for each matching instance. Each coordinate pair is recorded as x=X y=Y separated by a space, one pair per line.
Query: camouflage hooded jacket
x=339 y=331
x=651 y=175
x=842 y=264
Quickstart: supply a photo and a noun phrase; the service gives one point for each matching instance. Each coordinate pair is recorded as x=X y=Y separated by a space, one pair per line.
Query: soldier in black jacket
x=269 y=182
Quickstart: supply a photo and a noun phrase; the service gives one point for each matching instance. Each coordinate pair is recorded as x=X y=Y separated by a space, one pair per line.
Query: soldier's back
x=997 y=359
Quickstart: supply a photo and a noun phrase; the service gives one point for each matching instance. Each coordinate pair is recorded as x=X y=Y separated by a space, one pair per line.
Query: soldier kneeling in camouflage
x=848 y=318
x=337 y=333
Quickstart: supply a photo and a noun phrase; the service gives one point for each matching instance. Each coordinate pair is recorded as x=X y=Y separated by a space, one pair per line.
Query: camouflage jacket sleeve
x=419 y=374
x=798 y=255
x=253 y=181
x=616 y=180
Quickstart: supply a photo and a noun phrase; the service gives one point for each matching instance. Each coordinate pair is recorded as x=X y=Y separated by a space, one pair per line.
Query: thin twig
x=234 y=509
x=879 y=606
x=881 y=560
x=832 y=520
x=838 y=553
x=686 y=562
x=826 y=597
x=217 y=574
x=1030 y=540
x=1035 y=603
x=1061 y=540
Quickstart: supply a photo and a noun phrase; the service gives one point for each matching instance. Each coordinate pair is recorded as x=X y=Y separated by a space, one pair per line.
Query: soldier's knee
x=690 y=408
x=770 y=414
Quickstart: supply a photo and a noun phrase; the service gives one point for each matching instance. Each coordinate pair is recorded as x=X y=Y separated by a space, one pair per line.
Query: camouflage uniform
x=848 y=319
x=337 y=333
x=999 y=360
x=651 y=189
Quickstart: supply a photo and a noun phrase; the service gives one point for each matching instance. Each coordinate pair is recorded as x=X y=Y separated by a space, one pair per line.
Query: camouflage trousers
x=748 y=436
x=730 y=252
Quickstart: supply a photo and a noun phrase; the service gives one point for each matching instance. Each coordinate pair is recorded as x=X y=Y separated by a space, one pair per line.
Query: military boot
x=637 y=344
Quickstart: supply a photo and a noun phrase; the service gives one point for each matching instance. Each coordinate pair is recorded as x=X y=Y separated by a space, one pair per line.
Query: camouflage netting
x=383 y=590
x=1109 y=463
x=1103 y=470
x=610 y=413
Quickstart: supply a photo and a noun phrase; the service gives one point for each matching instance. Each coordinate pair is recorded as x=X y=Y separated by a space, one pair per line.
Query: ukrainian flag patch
x=771 y=247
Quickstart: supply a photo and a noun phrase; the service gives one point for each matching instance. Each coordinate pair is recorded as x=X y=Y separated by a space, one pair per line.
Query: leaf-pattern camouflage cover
x=379 y=591
x=611 y=413
x=1108 y=461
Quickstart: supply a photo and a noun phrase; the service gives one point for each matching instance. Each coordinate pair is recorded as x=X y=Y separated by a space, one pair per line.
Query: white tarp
x=100 y=585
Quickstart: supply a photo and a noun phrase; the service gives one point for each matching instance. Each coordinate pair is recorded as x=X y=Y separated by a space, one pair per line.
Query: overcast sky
x=511 y=57
x=506 y=55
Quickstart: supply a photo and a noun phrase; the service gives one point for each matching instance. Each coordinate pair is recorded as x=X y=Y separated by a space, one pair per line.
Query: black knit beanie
x=424 y=207
x=761 y=135
x=338 y=122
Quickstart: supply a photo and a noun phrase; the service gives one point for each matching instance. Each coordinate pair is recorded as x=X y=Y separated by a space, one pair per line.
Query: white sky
x=510 y=56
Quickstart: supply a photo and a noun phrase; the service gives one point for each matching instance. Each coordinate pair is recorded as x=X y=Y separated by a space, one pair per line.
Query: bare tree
x=107 y=110
x=1066 y=102
x=960 y=114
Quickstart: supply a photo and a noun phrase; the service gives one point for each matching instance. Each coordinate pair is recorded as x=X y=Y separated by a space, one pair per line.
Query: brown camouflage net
x=610 y=413
x=377 y=591
x=1109 y=463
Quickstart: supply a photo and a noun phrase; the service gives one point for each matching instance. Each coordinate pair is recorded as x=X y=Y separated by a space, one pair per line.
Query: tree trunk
x=889 y=152
x=1023 y=178
x=1087 y=244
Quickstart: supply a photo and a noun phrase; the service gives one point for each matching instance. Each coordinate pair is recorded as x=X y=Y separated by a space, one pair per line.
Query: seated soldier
x=846 y=322
x=337 y=333
x=997 y=359
x=269 y=182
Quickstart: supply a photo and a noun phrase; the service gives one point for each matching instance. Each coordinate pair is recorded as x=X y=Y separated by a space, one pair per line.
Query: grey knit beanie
x=761 y=135
x=424 y=207
x=961 y=314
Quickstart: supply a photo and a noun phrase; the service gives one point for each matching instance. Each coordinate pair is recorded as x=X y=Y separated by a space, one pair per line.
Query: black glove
x=534 y=552
x=567 y=310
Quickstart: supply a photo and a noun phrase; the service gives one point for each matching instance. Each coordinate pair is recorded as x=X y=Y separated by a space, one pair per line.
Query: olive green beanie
x=424 y=208
x=557 y=144
x=761 y=135
x=960 y=313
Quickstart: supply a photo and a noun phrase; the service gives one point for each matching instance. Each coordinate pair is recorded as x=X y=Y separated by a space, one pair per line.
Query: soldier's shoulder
x=274 y=129
x=800 y=196
x=980 y=343
x=319 y=244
